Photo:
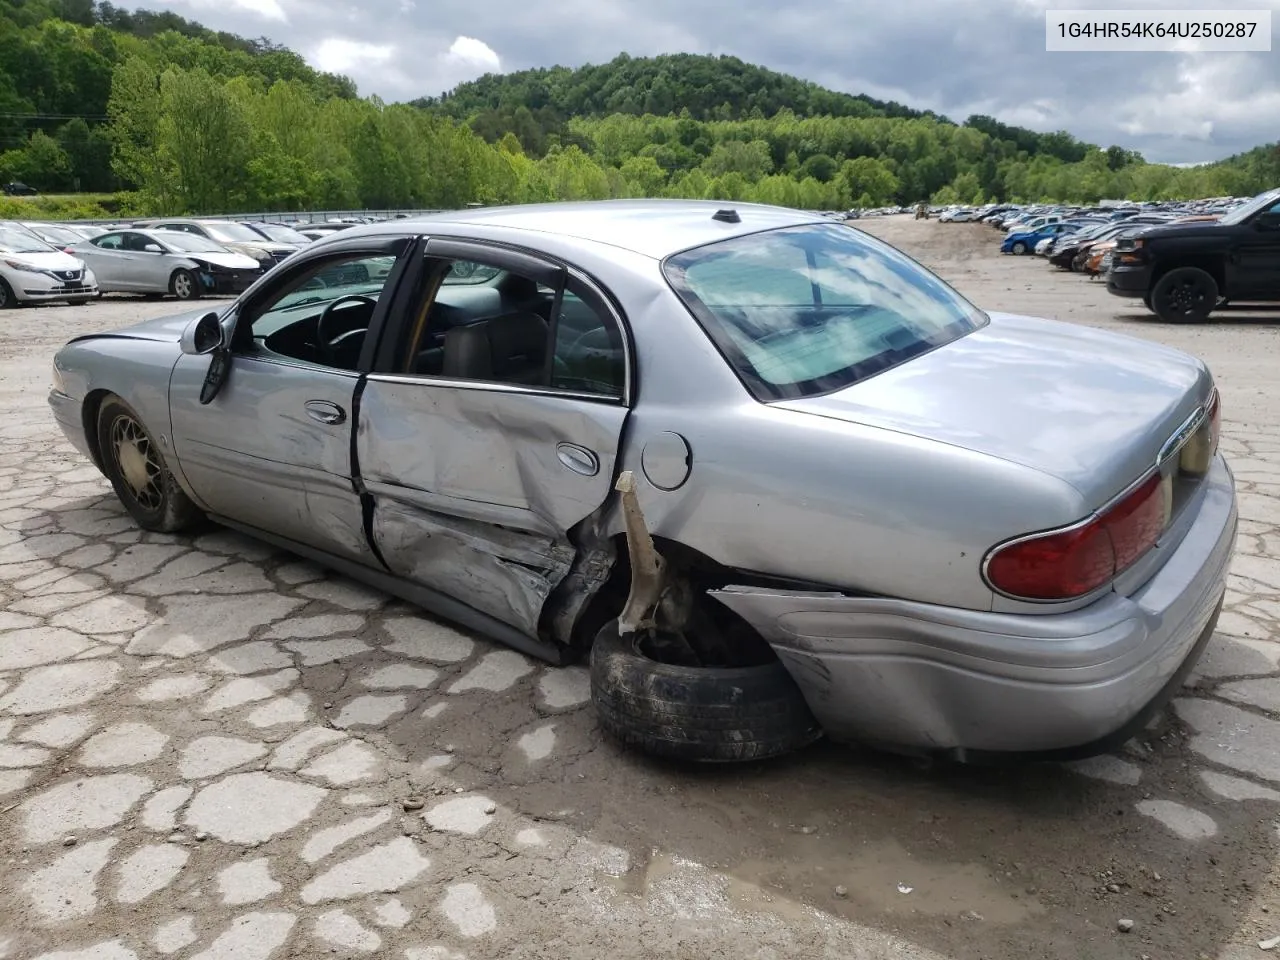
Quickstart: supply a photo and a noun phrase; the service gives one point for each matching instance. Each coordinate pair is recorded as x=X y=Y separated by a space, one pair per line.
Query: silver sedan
x=771 y=476
x=166 y=262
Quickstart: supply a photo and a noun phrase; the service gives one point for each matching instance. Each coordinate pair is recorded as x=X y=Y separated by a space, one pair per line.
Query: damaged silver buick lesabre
x=771 y=476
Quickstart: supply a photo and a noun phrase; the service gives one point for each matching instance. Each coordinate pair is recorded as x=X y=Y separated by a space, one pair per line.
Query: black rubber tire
x=1018 y=249
x=700 y=714
x=185 y=285
x=7 y=299
x=1146 y=302
x=1184 y=295
x=173 y=510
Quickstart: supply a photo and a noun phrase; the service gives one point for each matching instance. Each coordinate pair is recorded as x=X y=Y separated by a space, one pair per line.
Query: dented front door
x=475 y=487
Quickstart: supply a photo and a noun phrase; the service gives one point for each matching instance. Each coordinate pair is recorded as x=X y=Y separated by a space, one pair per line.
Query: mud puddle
x=881 y=876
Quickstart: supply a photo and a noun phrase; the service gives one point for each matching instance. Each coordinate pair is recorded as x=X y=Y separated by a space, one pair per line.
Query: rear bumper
x=917 y=677
x=1128 y=280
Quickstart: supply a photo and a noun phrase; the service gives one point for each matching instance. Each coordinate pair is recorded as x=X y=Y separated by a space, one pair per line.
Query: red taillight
x=1071 y=563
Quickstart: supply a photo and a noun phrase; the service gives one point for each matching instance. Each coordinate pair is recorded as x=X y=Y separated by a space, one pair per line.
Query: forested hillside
x=94 y=98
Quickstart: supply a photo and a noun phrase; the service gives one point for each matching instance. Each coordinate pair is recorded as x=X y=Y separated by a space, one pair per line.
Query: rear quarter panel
x=804 y=497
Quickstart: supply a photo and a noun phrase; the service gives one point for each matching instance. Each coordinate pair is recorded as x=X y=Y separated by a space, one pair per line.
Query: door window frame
x=537 y=266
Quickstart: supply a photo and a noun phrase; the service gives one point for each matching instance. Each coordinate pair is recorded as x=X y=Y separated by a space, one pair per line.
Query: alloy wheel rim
x=1186 y=297
x=138 y=463
x=182 y=285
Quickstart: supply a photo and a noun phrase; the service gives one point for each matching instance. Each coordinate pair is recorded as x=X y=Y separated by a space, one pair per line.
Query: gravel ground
x=209 y=749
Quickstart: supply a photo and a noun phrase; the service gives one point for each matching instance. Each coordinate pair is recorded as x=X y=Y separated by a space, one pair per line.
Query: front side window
x=108 y=241
x=806 y=310
x=322 y=316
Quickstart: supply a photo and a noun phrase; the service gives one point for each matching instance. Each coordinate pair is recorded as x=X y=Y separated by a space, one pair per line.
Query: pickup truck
x=1183 y=271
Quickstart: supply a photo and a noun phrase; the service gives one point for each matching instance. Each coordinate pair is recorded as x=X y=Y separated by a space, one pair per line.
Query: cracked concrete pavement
x=212 y=749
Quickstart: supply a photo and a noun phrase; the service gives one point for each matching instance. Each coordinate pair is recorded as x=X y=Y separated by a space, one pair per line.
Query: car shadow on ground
x=1229 y=316
x=1029 y=859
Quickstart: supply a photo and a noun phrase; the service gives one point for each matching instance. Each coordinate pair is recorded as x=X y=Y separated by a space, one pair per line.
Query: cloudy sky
x=957 y=57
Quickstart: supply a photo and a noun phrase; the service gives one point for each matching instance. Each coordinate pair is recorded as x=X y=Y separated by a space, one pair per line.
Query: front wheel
x=185 y=284
x=7 y=298
x=1019 y=248
x=703 y=714
x=138 y=472
x=1184 y=295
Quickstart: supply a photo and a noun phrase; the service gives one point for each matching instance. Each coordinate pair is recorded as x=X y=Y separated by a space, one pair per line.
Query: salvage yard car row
x=1182 y=260
x=185 y=258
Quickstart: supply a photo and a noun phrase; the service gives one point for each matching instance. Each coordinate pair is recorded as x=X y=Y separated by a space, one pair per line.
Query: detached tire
x=1184 y=295
x=701 y=714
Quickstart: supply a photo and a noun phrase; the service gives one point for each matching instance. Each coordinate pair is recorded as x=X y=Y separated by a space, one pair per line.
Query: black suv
x=1184 y=270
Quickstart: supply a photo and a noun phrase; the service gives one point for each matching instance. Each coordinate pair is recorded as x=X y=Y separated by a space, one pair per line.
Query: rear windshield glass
x=806 y=310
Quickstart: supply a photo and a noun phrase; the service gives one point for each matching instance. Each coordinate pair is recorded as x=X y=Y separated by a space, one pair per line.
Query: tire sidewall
x=1161 y=288
x=192 y=280
x=696 y=714
x=8 y=300
x=166 y=515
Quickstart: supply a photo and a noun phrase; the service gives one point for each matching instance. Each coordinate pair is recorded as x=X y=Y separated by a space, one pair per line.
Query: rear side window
x=807 y=310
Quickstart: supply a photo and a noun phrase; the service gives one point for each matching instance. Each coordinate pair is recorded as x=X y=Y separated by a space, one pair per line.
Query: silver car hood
x=1089 y=407
x=231 y=260
x=162 y=329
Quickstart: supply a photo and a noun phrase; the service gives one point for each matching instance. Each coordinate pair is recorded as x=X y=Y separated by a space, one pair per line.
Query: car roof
x=653 y=228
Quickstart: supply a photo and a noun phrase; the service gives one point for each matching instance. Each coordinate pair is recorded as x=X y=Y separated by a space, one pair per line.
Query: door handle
x=578 y=459
x=325 y=412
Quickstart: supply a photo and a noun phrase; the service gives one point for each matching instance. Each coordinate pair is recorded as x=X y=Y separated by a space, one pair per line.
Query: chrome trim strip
x=493 y=386
x=1184 y=433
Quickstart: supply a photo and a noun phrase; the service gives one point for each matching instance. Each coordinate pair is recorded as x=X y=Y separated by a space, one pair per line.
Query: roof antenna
x=727 y=215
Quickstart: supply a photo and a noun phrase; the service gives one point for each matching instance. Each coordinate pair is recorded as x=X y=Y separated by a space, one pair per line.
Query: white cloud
x=468 y=53
x=336 y=55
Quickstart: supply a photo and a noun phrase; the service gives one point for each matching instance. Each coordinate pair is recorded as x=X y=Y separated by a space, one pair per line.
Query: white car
x=1031 y=225
x=1043 y=247
x=159 y=262
x=31 y=271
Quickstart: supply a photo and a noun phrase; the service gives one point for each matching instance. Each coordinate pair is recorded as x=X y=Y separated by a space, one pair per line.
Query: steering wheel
x=328 y=345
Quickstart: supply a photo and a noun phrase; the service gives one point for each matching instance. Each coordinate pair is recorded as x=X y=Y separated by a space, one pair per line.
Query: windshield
x=18 y=241
x=1250 y=207
x=283 y=234
x=56 y=234
x=189 y=242
x=806 y=310
x=231 y=233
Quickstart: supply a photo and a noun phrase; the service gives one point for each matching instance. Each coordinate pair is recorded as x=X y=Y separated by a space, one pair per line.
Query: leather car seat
x=511 y=348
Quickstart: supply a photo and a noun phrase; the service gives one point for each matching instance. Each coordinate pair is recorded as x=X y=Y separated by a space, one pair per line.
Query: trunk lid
x=1087 y=406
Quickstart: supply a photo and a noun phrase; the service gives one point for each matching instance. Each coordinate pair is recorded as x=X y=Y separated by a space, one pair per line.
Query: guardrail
x=302 y=217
